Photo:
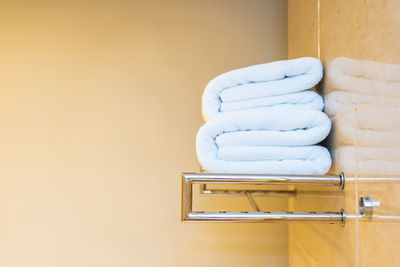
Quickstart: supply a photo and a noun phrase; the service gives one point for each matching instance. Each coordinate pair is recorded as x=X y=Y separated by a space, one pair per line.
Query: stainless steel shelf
x=189 y=179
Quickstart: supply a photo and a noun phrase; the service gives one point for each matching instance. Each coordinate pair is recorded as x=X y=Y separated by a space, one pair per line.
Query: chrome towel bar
x=188 y=179
x=330 y=217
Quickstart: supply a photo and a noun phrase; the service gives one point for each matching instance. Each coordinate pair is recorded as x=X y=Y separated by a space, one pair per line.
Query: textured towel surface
x=269 y=140
x=252 y=86
x=308 y=100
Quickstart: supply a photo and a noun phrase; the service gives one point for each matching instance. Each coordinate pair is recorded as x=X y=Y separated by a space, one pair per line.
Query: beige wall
x=367 y=30
x=99 y=107
x=302 y=28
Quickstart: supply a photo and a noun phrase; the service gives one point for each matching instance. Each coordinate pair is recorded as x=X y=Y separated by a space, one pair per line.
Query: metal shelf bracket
x=189 y=179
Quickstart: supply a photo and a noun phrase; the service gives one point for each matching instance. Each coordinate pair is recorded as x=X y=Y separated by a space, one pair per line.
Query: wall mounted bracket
x=367 y=206
x=189 y=179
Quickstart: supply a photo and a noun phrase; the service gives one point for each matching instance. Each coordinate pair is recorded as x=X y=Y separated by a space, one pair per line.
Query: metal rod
x=188 y=179
x=241 y=192
x=329 y=217
x=253 y=203
x=258 y=179
x=274 y=193
x=187 y=196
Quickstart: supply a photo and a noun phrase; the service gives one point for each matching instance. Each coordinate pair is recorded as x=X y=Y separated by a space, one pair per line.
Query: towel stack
x=260 y=119
x=363 y=101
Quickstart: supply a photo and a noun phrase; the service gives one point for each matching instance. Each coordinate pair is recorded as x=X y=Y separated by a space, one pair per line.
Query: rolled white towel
x=264 y=85
x=308 y=100
x=269 y=140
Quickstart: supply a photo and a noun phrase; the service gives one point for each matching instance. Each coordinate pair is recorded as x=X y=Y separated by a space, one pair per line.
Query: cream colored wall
x=368 y=30
x=99 y=107
x=302 y=28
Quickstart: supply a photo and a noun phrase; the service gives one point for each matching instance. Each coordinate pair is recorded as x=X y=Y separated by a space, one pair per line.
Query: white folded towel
x=308 y=100
x=274 y=140
x=264 y=85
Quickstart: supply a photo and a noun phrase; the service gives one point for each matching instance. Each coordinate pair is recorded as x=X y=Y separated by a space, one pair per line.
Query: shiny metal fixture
x=367 y=206
x=257 y=192
x=189 y=179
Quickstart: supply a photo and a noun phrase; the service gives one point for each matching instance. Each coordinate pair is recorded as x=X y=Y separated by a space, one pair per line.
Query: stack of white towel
x=260 y=119
x=363 y=101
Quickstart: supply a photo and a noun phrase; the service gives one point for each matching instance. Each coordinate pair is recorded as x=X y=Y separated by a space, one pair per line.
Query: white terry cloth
x=362 y=77
x=367 y=161
x=269 y=140
x=271 y=160
x=307 y=99
x=260 y=81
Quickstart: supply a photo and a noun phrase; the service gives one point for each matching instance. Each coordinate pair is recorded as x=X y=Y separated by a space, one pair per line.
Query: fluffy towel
x=264 y=85
x=276 y=140
x=351 y=82
x=308 y=100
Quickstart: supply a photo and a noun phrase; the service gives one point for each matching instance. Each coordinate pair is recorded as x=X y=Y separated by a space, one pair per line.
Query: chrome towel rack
x=189 y=179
